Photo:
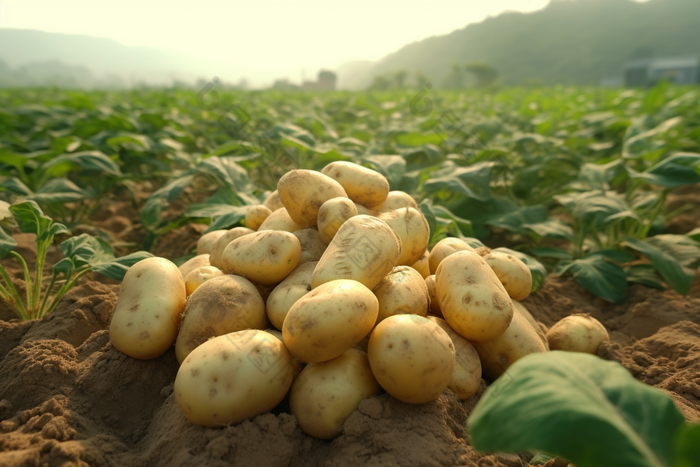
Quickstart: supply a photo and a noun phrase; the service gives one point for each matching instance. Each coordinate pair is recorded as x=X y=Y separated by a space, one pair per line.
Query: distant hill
x=568 y=42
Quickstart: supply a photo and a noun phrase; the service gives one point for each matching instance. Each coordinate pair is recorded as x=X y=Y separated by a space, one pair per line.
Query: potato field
x=376 y=278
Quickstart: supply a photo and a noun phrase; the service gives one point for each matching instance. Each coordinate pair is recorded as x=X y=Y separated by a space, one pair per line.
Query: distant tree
x=400 y=79
x=484 y=73
x=421 y=80
x=456 y=78
x=381 y=82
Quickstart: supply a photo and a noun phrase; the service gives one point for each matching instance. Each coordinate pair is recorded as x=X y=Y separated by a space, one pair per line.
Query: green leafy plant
x=584 y=409
x=81 y=255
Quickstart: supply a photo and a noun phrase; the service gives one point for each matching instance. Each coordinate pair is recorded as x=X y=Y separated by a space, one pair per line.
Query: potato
x=402 y=292
x=365 y=249
x=513 y=274
x=412 y=358
x=304 y=191
x=445 y=248
x=577 y=333
x=296 y=364
x=199 y=276
x=233 y=377
x=279 y=220
x=362 y=210
x=539 y=328
x=467 y=373
x=256 y=215
x=312 y=245
x=217 y=253
x=273 y=201
x=472 y=299
x=327 y=393
x=331 y=216
x=206 y=242
x=147 y=315
x=395 y=200
x=194 y=263
x=422 y=265
x=432 y=293
x=413 y=229
x=518 y=340
x=330 y=319
x=296 y=285
x=265 y=257
x=363 y=185
x=219 y=306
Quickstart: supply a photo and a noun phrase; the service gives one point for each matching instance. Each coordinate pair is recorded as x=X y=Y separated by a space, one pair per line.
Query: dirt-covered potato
x=364 y=186
x=327 y=393
x=279 y=220
x=395 y=200
x=518 y=340
x=402 y=292
x=513 y=274
x=206 y=241
x=472 y=299
x=194 y=263
x=265 y=257
x=273 y=201
x=330 y=319
x=219 y=306
x=312 y=245
x=365 y=249
x=298 y=366
x=539 y=328
x=233 y=377
x=147 y=315
x=332 y=214
x=412 y=358
x=217 y=253
x=256 y=215
x=577 y=333
x=445 y=248
x=304 y=191
x=467 y=374
x=199 y=276
x=413 y=229
x=422 y=265
x=296 y=285
x=432 y=293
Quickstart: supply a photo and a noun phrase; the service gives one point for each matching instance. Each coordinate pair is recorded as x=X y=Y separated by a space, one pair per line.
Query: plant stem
x=47 y=293
x=62 y=291
x=27 y=280
x=41 y=248
x=19 y=306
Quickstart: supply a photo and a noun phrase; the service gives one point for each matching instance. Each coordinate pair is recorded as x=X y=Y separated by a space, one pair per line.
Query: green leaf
x=16 y=186
x=675 y=257
x=674 y=171
x=86 y=250
x=644 y=274
x=687 y=452
x=392 y=167
x=30 y=218
x=537 y=269
x=694 y=234
x=222 y=215
x=557 y=253
x=602 y=278
x=118 y=267
x=59 y=190
x=88 y=160
x=7 y=243
x=472 y=182
x=515 y=220
x=579 y=407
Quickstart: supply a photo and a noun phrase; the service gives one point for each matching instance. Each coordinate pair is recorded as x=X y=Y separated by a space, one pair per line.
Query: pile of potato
x=330 y=295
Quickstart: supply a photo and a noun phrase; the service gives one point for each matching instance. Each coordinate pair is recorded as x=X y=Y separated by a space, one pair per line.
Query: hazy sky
x=264 y=38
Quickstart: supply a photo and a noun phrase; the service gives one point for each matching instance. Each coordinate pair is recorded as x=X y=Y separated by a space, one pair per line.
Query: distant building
x=649 y=71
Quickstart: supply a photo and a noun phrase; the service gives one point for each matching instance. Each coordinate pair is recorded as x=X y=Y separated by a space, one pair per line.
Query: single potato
x=330 y=319
x=312 y=245
x=273 y=201
x=467 y=375
x=279 y=220
x=217 y=253
x=411 y=226
x=233 y=377
x=432 y=293
x=412 y=358
x=219 y=306
x=194 y=263
x=513 y=274
x=472 y=299
x=304 y=191
x=147 y=315
x=577 y=333
x=364 y=186
x=288 y=292
x=423 y=265
x=518 y=340
x=199 y=276
x=395 y=200
x=327 y=393
x=332 y=214
x=256 y=215
x=539 y=328
x=445 y=248
x=206 y=242
x=402 y=292
x=264 y=257
x=365 y=249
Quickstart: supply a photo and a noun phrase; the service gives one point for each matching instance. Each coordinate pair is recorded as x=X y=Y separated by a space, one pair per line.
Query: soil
x=68 y=398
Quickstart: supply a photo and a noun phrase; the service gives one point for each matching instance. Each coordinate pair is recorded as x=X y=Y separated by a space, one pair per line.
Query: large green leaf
x=599 y=276
x=30 y=218
x=86 y=250
x=677 y=170
x=472 y=182
x=688 y=446
x=7 y=243
x=675 y=257
x=577 y=406
x=88 y=160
